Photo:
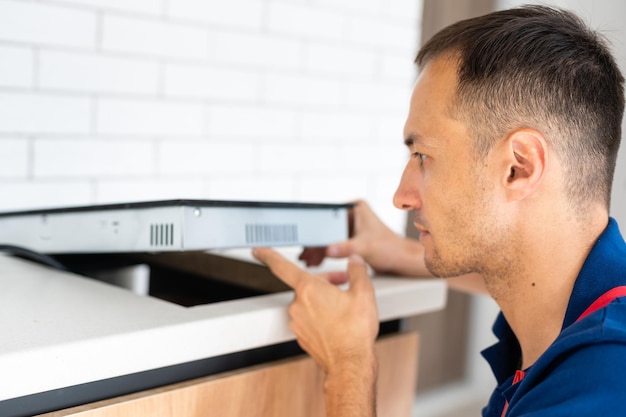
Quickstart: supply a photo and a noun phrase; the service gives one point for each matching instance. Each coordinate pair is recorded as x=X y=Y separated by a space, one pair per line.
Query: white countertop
x=59 y=329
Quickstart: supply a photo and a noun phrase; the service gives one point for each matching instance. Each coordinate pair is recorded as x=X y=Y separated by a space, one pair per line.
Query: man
x=513 y=131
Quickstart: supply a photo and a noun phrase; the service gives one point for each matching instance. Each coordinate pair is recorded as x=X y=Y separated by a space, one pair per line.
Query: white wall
x=294 y=100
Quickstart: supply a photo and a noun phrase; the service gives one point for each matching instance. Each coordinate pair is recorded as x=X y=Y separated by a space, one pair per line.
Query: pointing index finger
x=287 y=271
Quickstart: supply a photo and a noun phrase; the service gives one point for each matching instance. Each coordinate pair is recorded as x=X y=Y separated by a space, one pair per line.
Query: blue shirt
x=583 y=373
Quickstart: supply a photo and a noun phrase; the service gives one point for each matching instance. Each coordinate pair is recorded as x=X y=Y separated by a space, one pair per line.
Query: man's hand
x=384 y=250
x=332 y=325
x=337 y=328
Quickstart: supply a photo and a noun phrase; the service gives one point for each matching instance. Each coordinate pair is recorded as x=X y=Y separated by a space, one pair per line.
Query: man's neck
x=535 y=300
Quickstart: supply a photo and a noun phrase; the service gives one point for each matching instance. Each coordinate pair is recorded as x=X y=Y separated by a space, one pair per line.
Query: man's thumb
x=339 y=250
x=358 y=274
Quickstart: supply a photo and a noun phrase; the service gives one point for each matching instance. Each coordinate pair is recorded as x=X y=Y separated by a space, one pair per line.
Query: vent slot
x=162 y=234
x=271 y=233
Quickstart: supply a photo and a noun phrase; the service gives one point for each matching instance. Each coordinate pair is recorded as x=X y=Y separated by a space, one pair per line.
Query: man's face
x=446 y=185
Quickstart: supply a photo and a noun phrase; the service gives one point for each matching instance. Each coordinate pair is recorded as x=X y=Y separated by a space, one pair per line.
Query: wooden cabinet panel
x=292 y=387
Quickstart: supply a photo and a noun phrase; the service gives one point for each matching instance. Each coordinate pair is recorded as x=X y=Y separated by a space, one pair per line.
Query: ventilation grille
x=271 y=233
x=162 y=234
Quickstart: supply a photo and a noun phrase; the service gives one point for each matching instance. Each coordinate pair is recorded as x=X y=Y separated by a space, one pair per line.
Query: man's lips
x=420 y=228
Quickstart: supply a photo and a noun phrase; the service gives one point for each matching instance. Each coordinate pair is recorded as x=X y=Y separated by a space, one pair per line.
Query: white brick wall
x=15 y=158
x=19 y=72
x=95 y=73
x=40 y=24
x=118 y=100
x=232 y=13
x=91 y=158
x=154 y=37
x=44 y=113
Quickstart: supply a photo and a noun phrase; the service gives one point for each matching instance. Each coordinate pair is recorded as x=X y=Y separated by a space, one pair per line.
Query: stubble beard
x=500 y=269
x=480 y=245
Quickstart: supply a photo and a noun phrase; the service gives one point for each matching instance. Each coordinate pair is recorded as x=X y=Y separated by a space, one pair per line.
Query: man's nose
x=407 y=196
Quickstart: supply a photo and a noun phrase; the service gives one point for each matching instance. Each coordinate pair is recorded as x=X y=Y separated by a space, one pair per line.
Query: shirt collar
x=603 y=270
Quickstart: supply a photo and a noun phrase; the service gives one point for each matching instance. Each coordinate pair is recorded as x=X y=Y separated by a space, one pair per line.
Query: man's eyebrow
x=412 y=139
x=415 y=139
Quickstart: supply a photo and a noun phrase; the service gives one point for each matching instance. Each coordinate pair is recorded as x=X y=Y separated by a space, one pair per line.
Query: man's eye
x=419 y=156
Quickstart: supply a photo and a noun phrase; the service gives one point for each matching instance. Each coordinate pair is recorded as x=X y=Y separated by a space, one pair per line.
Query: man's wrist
x=350 y=388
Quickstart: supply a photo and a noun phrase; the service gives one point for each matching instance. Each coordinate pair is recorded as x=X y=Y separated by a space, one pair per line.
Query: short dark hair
x=542 y=68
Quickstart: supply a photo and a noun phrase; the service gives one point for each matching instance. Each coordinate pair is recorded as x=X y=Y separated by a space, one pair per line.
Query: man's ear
x=526 y=153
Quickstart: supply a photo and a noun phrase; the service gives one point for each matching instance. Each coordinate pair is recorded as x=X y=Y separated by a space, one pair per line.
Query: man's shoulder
x=583 y=370
x=604 y=326
x=589 y=344
x=585 y=381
